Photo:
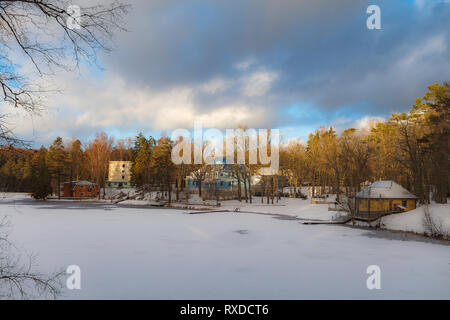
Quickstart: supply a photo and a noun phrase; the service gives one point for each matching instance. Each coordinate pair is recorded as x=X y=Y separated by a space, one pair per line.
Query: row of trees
x=410 y=148
x=41 y=171
x=152 y=165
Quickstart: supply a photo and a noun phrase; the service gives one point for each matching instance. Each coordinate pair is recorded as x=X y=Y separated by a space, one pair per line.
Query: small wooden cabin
x=384 y=197
x=80 y=189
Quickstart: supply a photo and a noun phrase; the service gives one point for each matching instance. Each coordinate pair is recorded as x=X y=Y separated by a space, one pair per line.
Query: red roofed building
x=79 y=189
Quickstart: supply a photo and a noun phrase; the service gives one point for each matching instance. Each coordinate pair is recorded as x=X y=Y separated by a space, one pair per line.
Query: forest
x=411 y=148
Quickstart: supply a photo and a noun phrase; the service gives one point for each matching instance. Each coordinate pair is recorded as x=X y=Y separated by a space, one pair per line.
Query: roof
x=81 y=182
x=385 y=190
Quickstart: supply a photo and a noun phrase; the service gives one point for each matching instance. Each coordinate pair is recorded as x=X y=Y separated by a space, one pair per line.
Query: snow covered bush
x=433 y=225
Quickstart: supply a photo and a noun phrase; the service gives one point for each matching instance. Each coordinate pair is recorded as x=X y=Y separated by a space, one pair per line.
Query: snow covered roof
x=81 y=182
x=385 y=190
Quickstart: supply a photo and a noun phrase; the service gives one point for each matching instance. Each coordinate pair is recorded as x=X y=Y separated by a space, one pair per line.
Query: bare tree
x=48 y=35
x=39 y=30
x=97 y=156
x=19 y=279
x=433 y=226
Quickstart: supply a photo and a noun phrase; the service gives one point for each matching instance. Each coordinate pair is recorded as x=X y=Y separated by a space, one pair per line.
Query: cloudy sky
x=295 y=65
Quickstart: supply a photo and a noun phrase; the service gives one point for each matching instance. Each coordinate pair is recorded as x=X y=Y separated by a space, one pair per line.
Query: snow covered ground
x=412 y=221
x=299 y=208
x=140 y=253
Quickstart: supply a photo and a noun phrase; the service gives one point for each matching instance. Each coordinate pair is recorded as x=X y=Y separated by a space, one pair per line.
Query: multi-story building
x=119 y=174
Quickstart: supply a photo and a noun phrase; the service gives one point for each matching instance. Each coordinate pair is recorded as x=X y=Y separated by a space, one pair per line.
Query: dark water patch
x=403 y=236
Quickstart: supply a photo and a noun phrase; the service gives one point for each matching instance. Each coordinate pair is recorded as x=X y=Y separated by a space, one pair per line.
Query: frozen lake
x=138 y=253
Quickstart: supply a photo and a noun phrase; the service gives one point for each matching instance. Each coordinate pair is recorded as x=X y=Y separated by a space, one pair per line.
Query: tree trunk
x=245 y=189
x=249 y=188
x=59 y=186
x=272 y=188
x=169 y=186
x=239 y=185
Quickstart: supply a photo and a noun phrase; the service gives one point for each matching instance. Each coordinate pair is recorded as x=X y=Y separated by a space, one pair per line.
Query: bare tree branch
x=38 y=30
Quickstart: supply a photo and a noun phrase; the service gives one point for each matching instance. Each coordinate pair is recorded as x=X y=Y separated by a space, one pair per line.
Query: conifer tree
x=141 y=170
x=41 y=180
x=164 y=170
x=57 y=161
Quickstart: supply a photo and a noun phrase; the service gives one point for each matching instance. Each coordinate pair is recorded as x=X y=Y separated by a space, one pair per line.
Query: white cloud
x=258 y=83
x=420 y=4
x=89 y=105
x=244 y=65
x=215 y=85
x=367 y=122
x=433 y=46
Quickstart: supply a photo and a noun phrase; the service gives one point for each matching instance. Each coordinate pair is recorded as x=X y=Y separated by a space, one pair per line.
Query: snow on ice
x=141 y=253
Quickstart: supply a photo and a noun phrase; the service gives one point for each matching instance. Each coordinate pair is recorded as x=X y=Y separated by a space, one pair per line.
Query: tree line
x=42 y=171
x=410 y=148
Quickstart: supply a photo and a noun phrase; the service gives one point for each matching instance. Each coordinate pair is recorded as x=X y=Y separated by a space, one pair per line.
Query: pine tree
x=434 y=112
x=163 y=169
x=57 y=161
x=41 y=180
x=141 y=170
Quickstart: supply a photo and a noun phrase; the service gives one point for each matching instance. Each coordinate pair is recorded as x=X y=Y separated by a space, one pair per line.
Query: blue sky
x=291 y=64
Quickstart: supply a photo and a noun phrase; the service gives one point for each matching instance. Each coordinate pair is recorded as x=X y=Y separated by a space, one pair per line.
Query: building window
x=123 y=166
x=123 y=177
x=405 y=203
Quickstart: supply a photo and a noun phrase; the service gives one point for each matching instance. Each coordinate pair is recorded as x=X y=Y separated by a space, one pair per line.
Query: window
x=123 y=166
x=81 y=194
x=123 y=177
x=405 y=203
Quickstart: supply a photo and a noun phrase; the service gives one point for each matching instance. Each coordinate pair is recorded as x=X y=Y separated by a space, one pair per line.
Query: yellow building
x=119 y=174
x=383 y=197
